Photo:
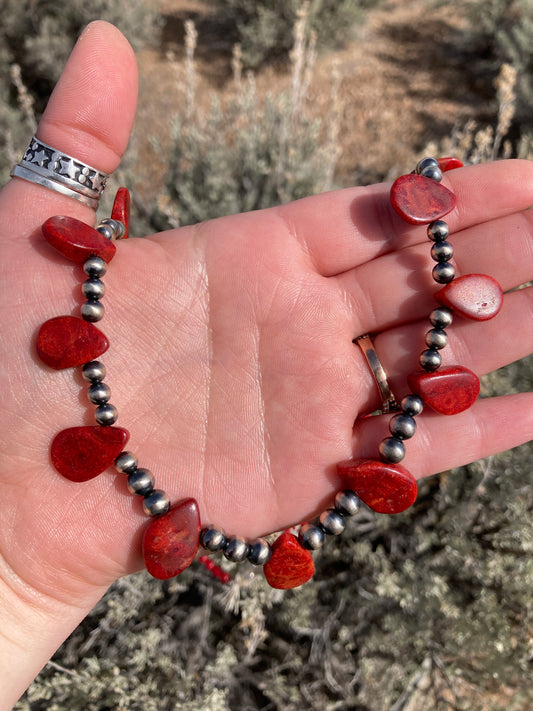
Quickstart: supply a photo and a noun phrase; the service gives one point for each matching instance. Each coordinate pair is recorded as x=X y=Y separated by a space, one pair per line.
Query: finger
x=89 y=116
x=480 y=346
x=343 y=229
x=399 y=287
x=490 y=426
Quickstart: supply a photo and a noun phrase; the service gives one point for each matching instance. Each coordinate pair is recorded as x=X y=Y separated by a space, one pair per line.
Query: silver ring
x=44 y=165
x=388 y=401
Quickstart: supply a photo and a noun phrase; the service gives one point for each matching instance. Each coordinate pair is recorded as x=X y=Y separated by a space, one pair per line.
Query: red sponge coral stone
x=67 y=341
x=420 y=200
x=121 y=209
x=76 y=240
x=382 y=486
x=81 y=453
x=171 y=541
x=475 y=296
x=449 y=390
x=449 y=163
x=290 y=565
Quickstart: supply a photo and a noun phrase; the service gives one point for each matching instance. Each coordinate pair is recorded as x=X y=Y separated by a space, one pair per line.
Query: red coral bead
x=171 y=541
x=121 y=210
x=81 y=453
x=449 y=163
x=67 y=341
x=382 y=486
x=290 y=565
x=76 y=240
x=420 y=200
x=475 y=296
x=450 y=390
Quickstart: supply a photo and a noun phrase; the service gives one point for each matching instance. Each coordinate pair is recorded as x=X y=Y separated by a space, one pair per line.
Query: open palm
x=231 y=360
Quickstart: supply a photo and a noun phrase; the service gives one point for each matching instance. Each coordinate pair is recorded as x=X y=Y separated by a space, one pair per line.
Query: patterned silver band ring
x=47 y=162
x=18 y=171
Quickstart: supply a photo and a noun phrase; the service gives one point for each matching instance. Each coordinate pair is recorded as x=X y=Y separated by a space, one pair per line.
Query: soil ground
x=403 y=85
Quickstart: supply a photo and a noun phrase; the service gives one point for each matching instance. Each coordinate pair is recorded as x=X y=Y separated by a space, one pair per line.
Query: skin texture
x=231 y=360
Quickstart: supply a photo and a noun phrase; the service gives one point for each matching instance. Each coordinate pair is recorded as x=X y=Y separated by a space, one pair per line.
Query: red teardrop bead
x=67 y=341
x=81 y=453
x=76 y=240
x=449 y=163
x=290 y=565
x=382 y=486
x=475 y=296
x=171 y=541
x=449 y=390
x=121 y=209
x=420 y=200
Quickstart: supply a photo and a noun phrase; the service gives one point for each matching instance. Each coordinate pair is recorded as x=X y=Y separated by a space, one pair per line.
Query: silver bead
x=141 y=482
x=106 y=414
x=93 y=289
x=92 y=311
x=347 y=502
x=426 y=162
x=332 y=522
x=412 y=405
x=402 y=426
x=236 y=549
x=99 y=393
x=212 y=539
x=259 y=551
x=432 y=172
x=126 y=462
x=117 y=227
x=106 y=231
x=391 y=450
x=443 y=273
x=438 y=231
x=430 y=360
x=442 y=251
x=441 y=317
x=436 y=339
x=311 y=536
x=94 y=371
x=95 y=267
x=157 y=503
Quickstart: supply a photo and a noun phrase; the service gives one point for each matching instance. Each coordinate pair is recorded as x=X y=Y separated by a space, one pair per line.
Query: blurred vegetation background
x=246 y=104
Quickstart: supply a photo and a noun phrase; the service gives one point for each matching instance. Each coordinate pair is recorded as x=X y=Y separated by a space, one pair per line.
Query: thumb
x=89 y=117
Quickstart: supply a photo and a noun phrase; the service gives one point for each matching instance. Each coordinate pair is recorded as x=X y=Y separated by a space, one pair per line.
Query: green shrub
x=264 y=27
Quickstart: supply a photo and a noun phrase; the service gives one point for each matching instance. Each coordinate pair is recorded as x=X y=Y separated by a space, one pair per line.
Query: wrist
x=33 y=626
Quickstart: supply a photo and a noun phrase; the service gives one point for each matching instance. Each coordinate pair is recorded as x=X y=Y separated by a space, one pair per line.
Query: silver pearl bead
x=93 y=289
x=157 y=503
x=106 y=414
x=426 y=162
x=99 y=393
x=441 y=317
x=94 y=371
x=438 y=231
x=212 y=539
x=442 y=251
x=430 y=360
x=347 y=502
x=391 y=450
x=259 y=552
x=117 y=227
x=402 y=426
x=443 y=273
x=95 y=267
x=92 y=311
x=141 y=482
x=311 y=536
x=332 y=522
x=432 y=172
x=126 y=463
x=236 y=549
x=412 y=405
x=106 y=231
x=436 y=339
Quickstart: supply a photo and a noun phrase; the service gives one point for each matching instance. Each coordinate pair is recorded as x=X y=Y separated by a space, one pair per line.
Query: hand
x=231 y=359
